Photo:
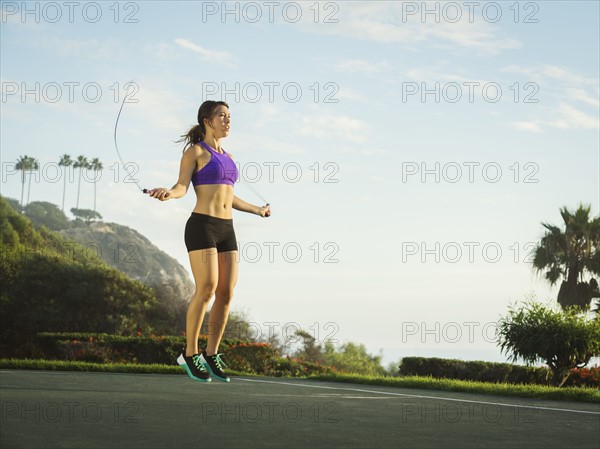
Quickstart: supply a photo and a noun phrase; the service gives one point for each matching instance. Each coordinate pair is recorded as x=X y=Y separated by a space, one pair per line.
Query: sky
x=410 y=151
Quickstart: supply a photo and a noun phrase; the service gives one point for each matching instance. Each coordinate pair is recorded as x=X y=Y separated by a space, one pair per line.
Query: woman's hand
x=265 y=211
x=160 y=193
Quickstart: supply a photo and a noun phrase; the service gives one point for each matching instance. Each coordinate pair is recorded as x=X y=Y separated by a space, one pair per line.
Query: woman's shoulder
x=196 y=152
x=196 y=148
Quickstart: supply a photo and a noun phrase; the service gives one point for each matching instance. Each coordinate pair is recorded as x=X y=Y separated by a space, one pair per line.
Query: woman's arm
x=241 y=205
x=186 y=169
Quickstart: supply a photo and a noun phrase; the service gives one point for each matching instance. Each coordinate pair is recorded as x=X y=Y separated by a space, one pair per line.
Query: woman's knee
x=204 y=292
x=224 y=295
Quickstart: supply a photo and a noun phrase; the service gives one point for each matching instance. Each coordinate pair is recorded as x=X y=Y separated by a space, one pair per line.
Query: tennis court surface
x=48 y=409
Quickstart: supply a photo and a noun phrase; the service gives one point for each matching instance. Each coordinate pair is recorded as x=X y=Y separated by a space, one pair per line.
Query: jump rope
x=144 y=190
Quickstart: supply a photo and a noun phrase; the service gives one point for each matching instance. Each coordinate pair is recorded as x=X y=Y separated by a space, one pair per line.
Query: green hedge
x=492 y=372
x=239 y=355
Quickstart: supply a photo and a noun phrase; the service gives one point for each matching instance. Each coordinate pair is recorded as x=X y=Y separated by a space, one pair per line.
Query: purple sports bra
x=220 y=169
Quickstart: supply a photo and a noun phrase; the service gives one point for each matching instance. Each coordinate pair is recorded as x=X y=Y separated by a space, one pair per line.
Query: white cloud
x=527 y=126
x=569 y=77
x=544 y=72
x=219 y=57
x=384 y=22
x=571 y=118
x=564 y=87
x=529 y=71
x=568 y=118
x=583 y=96
x=161 y=50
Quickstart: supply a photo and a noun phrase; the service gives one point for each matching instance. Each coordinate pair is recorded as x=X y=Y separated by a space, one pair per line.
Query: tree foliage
x=47 y=214
x=85 y=214
x=563 y=339
x=349 y=357
x=353 y=358
x=569 y=254
x=51 y=283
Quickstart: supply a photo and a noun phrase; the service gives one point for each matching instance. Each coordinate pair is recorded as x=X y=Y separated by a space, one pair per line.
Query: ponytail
x=197 y=132
x=193 y=136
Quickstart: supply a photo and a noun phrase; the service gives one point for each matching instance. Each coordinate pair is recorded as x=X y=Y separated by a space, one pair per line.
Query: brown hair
x=197 y=132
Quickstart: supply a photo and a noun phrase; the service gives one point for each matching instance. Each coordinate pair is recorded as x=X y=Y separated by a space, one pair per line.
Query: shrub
x=239 y=355
x=473 y=370
x=562 y=339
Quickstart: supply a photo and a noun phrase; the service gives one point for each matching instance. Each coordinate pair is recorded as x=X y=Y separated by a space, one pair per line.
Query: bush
x=250 y=357
x=473 y=370
x=239 y=355
x=494 y=372
x=584 y=377
x=109 y=348
x=293 y=367
x=562 y=339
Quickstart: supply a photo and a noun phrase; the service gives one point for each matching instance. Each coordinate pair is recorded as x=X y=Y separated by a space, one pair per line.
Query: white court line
x=587 y=412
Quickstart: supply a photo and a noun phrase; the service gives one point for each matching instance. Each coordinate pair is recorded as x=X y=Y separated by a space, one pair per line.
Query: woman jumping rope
x=209 y=234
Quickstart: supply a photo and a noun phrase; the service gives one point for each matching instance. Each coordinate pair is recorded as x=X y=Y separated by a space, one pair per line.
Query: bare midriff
x=214 y=199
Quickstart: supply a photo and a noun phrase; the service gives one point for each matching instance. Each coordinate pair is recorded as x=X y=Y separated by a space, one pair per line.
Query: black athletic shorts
x=205 y=231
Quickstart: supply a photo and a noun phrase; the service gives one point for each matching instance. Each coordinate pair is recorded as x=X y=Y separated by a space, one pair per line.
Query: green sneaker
x=214 y=365
x=193 y=366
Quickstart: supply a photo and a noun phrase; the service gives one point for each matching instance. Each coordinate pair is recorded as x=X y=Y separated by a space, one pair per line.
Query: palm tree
x=96 y=165
x=568 y=254
x=65 y=161
x=80 y=163
x=22 y=165
x=32 y=164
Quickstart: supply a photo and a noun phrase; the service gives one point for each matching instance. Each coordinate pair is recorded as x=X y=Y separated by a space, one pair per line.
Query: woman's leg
x=217 y=320
x=205 y=270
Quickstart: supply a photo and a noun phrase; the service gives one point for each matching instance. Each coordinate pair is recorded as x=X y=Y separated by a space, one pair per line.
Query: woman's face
x=221 y=121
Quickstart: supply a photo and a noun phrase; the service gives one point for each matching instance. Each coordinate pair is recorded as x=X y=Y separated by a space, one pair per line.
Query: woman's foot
x=214 y=365
x=193 y=366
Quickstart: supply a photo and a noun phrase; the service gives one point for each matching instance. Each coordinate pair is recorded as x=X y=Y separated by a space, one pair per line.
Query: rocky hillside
x=120 y=247
x=130 y=252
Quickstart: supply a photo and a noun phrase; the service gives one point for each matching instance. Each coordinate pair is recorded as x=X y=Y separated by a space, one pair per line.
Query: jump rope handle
x=147 y=191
